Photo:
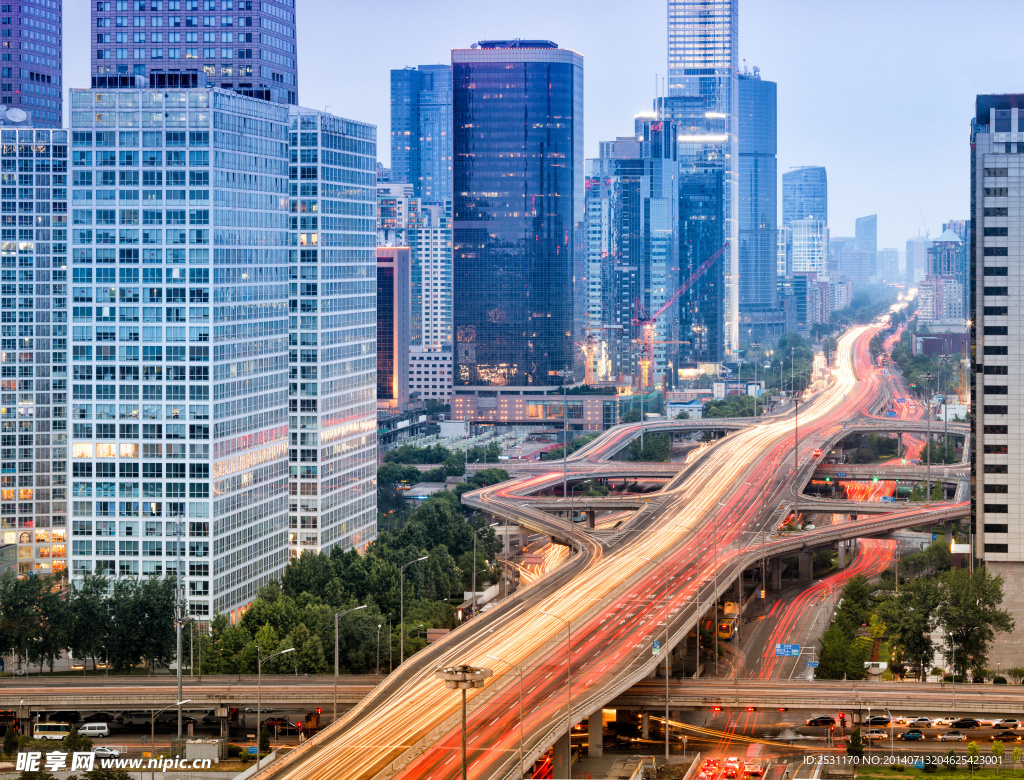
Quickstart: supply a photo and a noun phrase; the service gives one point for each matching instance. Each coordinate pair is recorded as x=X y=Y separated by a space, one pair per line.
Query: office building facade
x=810 y=246
x=997 y=517
x=31 y=72
x=805 y=194
x=421 y=130
x=34 y=334
x=517 y=108
x=866 y=232
x=701 y=234
x=393 y=315
x=246 y=46
x=917 y=259
x=331 y=332
x=703 y=45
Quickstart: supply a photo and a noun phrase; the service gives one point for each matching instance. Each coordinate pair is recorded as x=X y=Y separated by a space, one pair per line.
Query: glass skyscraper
x=518 y=203
x=701 y=234
x=804 y=194
x=758 y=193
x=421 y=130
x=31 y=76
x=703 y=41
x=247 y=46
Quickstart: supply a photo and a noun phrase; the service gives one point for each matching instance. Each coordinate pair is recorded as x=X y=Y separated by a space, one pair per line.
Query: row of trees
x=915 y=367
x=965 y=605
x=126 y=621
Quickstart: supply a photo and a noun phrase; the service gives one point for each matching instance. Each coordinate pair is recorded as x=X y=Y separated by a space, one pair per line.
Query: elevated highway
x=650 y=580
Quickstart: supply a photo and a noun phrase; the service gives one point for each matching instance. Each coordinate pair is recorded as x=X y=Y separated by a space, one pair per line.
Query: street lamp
x=928 y=443
x=401 y=638
x=568 y=685
x=520 y=670
x=336 y=616
x=796 y=460
x=463 y=678
x=152 y=720
x=259 y=694
x=667 y=657
x=379 y=626
x=106 y=661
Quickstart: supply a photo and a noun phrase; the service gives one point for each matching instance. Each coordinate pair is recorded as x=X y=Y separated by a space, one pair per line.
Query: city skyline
x=617 y=88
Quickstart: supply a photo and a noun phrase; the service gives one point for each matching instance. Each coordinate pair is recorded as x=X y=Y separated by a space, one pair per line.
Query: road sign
x=888 y=499
x=901 y=400
x=841 y=474
x=656 y=647
x=935 y=537
x=890 y=414
x=919 y=763
x=786 y=650
x=252 y=750
x=812 y=664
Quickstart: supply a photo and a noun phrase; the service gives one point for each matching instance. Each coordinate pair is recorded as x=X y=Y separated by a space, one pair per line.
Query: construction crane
x=590 y=345
x=645 y=375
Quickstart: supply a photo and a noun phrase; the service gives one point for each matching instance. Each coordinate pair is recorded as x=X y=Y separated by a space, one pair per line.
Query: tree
x=87 y=617
x=1015 y=673
x=10 y=741
x=973 y=754
x=910 y=618
x=1015 y=757
x=998 y=748
x=855 y=747
x=969 y=616
x=264 y=739
x=656 y=448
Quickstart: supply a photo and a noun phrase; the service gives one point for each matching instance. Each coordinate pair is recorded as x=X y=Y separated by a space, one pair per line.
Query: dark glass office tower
x=30 y=74
x=804 y=194
x=701 y=234
x=517 y=172
x=421 y=130
x=247 y=46
x=758 y=230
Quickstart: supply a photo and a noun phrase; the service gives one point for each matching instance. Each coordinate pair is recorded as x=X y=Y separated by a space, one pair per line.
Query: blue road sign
x=890 y=414
x=812 y=664
x=656 y=647
x=786 y=650
x=252 y=750
x=901 y=400
x=841 y=474
x=888 y=499
x=935 y=537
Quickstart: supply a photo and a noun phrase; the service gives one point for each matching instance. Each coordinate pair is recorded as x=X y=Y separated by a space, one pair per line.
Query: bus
x=726 y=627
x=56 y=731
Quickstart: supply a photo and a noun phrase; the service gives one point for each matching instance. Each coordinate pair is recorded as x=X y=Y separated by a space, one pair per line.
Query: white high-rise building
x=703 y=45
x=332 y=332
x=222 y=309
x=809 y=242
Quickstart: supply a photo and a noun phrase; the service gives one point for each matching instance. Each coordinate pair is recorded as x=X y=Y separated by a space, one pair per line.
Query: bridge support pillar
x=899 y=445
x=806 y=566
x=225 y=730
x=776 y=581
x=949 y=532
x=595 y=735
x=591 y=518
x=645 y=725
x=842 y=554
x=562 y=757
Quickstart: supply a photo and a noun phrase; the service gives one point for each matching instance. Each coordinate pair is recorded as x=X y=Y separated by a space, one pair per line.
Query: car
x=875 y=734
x=921 y=722
x=753 y=770
x=912 y=734
x=945 y=720
x=65 y=716
x=1007 y=736
x=878 y=720
x=105 y=717
x=965 y=723
x=1006 y=723
x=105 y=752
x=265 y=709
x=171 y=716
x=275 y=722
x=820 y=720
x=952 y=736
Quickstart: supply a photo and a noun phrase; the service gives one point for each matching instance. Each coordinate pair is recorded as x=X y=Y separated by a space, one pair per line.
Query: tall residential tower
x=31 y=76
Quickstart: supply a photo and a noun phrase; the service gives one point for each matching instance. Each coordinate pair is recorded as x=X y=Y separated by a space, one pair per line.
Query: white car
x=921 y=722
x=952 y=736
x=946 y=720
x=1006 y=723
x=106 y=752
x=875 y=734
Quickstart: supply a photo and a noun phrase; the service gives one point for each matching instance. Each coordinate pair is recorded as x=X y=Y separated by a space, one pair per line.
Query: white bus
x=57 y=731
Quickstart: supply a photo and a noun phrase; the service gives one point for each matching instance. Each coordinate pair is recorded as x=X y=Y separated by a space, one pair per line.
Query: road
x=617 y=597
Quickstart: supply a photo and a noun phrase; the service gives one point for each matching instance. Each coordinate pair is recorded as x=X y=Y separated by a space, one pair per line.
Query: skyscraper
x=917 y=258
x=866 y=232
x=701 y=234
x=703 y=42
x=393 y=333
x=810 y=246
x=208 y=384
x=421 y=130
x=633 y=200
x=246 y=46
x=32 y=77
x=804 y=194
x=997 y=516
x=518 y=183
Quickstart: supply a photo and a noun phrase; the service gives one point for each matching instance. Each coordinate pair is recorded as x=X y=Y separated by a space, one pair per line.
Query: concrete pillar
x=949 y=532
x=806 y=567
x=595 y=735
x=899 y=444
x=842 y=554
x=776 y=580
x=645 y=725
x=225 y=731
x=562 y=757
x=591 y=517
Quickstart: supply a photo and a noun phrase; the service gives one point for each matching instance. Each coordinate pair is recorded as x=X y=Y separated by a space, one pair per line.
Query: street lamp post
x=336 y=616
x=401 y=638
x=520 y=670
x=667 y=656
x=152 y=720
x=568 y=685
x=106 y=661
x=379 y=626
x=259 y=694
x=463 y=678
x=796 y=460
x=928 y=438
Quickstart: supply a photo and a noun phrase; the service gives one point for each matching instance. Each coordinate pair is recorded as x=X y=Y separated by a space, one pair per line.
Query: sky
x=879 y=92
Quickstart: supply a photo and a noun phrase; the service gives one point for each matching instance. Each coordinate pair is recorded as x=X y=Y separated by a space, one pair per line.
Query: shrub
x=998 y=680
x=234 y=751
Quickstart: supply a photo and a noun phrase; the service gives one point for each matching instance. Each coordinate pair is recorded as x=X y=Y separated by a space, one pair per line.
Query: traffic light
x=783 y=709
x=318 y=711
x=716 y=708
x=751 y=709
